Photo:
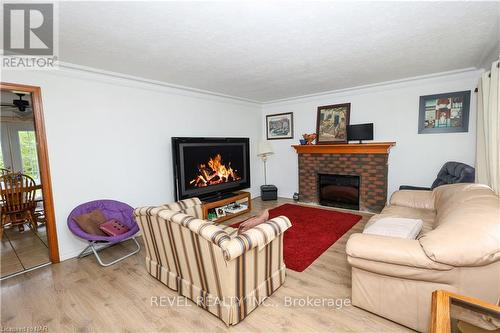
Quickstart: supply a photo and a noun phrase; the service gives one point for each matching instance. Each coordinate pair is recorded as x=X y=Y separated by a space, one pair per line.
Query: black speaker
x=268 y=192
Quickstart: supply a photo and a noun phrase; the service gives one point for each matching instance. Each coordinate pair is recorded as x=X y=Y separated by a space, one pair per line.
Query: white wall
x=110 y=138
x=393 y=108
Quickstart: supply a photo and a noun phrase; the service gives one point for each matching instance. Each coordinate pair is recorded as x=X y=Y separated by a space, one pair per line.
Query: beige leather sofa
x=458 y=250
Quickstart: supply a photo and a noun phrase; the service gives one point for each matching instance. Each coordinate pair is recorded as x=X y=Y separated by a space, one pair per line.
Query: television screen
x=360 y=132
x=205 y=166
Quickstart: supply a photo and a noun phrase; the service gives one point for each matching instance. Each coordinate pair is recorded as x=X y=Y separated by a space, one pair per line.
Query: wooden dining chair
x=18 y=200
x=4 y=171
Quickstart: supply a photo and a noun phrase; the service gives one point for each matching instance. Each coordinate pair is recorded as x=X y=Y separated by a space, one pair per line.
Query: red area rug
x=313 y=231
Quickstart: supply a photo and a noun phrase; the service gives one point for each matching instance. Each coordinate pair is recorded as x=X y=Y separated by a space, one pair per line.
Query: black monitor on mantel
x=360 y=132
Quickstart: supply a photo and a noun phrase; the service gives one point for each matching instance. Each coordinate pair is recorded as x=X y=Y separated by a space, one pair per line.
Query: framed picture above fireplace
x=332 y=123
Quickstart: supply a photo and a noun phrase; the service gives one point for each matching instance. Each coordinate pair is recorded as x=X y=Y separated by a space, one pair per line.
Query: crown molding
x=470 y=71
x=172 y=88
x=184 y=90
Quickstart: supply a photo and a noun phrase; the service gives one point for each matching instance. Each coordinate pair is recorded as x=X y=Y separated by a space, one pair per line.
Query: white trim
x=170 y=86
x=71 y=254
x=470 y=71
x=184 y=90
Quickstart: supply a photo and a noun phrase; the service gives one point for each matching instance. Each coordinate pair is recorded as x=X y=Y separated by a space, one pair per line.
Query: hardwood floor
x=78 y=295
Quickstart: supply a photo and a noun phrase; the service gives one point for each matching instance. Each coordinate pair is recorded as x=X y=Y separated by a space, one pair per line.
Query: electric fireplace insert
x=210 y=167
x=339 y=190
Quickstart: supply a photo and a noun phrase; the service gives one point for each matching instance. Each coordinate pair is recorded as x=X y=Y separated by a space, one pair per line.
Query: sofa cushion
x=427 y=216
x=90 y=222
x=395 y=227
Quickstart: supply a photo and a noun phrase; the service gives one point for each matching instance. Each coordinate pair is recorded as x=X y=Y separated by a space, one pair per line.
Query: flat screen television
x=210 y=167
x=360 y=132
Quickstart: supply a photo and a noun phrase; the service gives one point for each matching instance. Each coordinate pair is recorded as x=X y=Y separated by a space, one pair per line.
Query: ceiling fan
x=20 y=104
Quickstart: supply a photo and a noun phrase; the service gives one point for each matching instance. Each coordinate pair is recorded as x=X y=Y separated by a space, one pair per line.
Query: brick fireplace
x=368 y=161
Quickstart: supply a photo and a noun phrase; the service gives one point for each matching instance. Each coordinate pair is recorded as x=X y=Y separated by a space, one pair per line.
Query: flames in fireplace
x=214 y=172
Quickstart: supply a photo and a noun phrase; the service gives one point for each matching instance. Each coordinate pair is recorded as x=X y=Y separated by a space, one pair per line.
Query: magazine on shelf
x=235 y=208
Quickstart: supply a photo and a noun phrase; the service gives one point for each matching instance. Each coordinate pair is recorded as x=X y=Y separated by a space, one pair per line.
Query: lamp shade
x=264 y=148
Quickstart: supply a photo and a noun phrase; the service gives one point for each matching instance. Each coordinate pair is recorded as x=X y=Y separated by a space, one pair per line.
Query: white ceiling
x=267 y=51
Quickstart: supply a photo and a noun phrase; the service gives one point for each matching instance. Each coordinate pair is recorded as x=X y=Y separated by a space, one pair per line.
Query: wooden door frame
x=43 y=163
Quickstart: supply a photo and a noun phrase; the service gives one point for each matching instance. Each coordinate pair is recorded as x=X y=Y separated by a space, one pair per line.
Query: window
x=2 y=164
x=29 y=157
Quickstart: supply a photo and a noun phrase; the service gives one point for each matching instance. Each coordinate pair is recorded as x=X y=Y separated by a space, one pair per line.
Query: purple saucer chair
x=112 y=210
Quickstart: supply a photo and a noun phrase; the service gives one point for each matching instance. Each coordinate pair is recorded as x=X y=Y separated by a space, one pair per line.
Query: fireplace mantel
x=351 y=148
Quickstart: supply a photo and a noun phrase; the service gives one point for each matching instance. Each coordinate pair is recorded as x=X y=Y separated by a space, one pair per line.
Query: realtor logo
x=28 y=29
x=29 y=36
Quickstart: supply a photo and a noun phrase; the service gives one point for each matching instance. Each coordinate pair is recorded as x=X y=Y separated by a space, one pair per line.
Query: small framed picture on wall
x=444 y=113
x=279 y=126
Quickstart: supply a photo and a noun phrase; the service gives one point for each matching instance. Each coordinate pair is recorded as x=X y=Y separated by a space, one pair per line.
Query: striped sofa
x=227 y=274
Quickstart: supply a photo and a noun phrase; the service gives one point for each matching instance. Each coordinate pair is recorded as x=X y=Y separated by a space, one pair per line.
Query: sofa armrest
x=391 y=250
x=413 y=199
x=258 y=236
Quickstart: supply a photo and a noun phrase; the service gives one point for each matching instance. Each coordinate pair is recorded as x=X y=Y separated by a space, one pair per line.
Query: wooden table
x=238 y=197
x=462 y=313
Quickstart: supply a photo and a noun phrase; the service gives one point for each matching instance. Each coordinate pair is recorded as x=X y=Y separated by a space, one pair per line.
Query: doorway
x=28 y=233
